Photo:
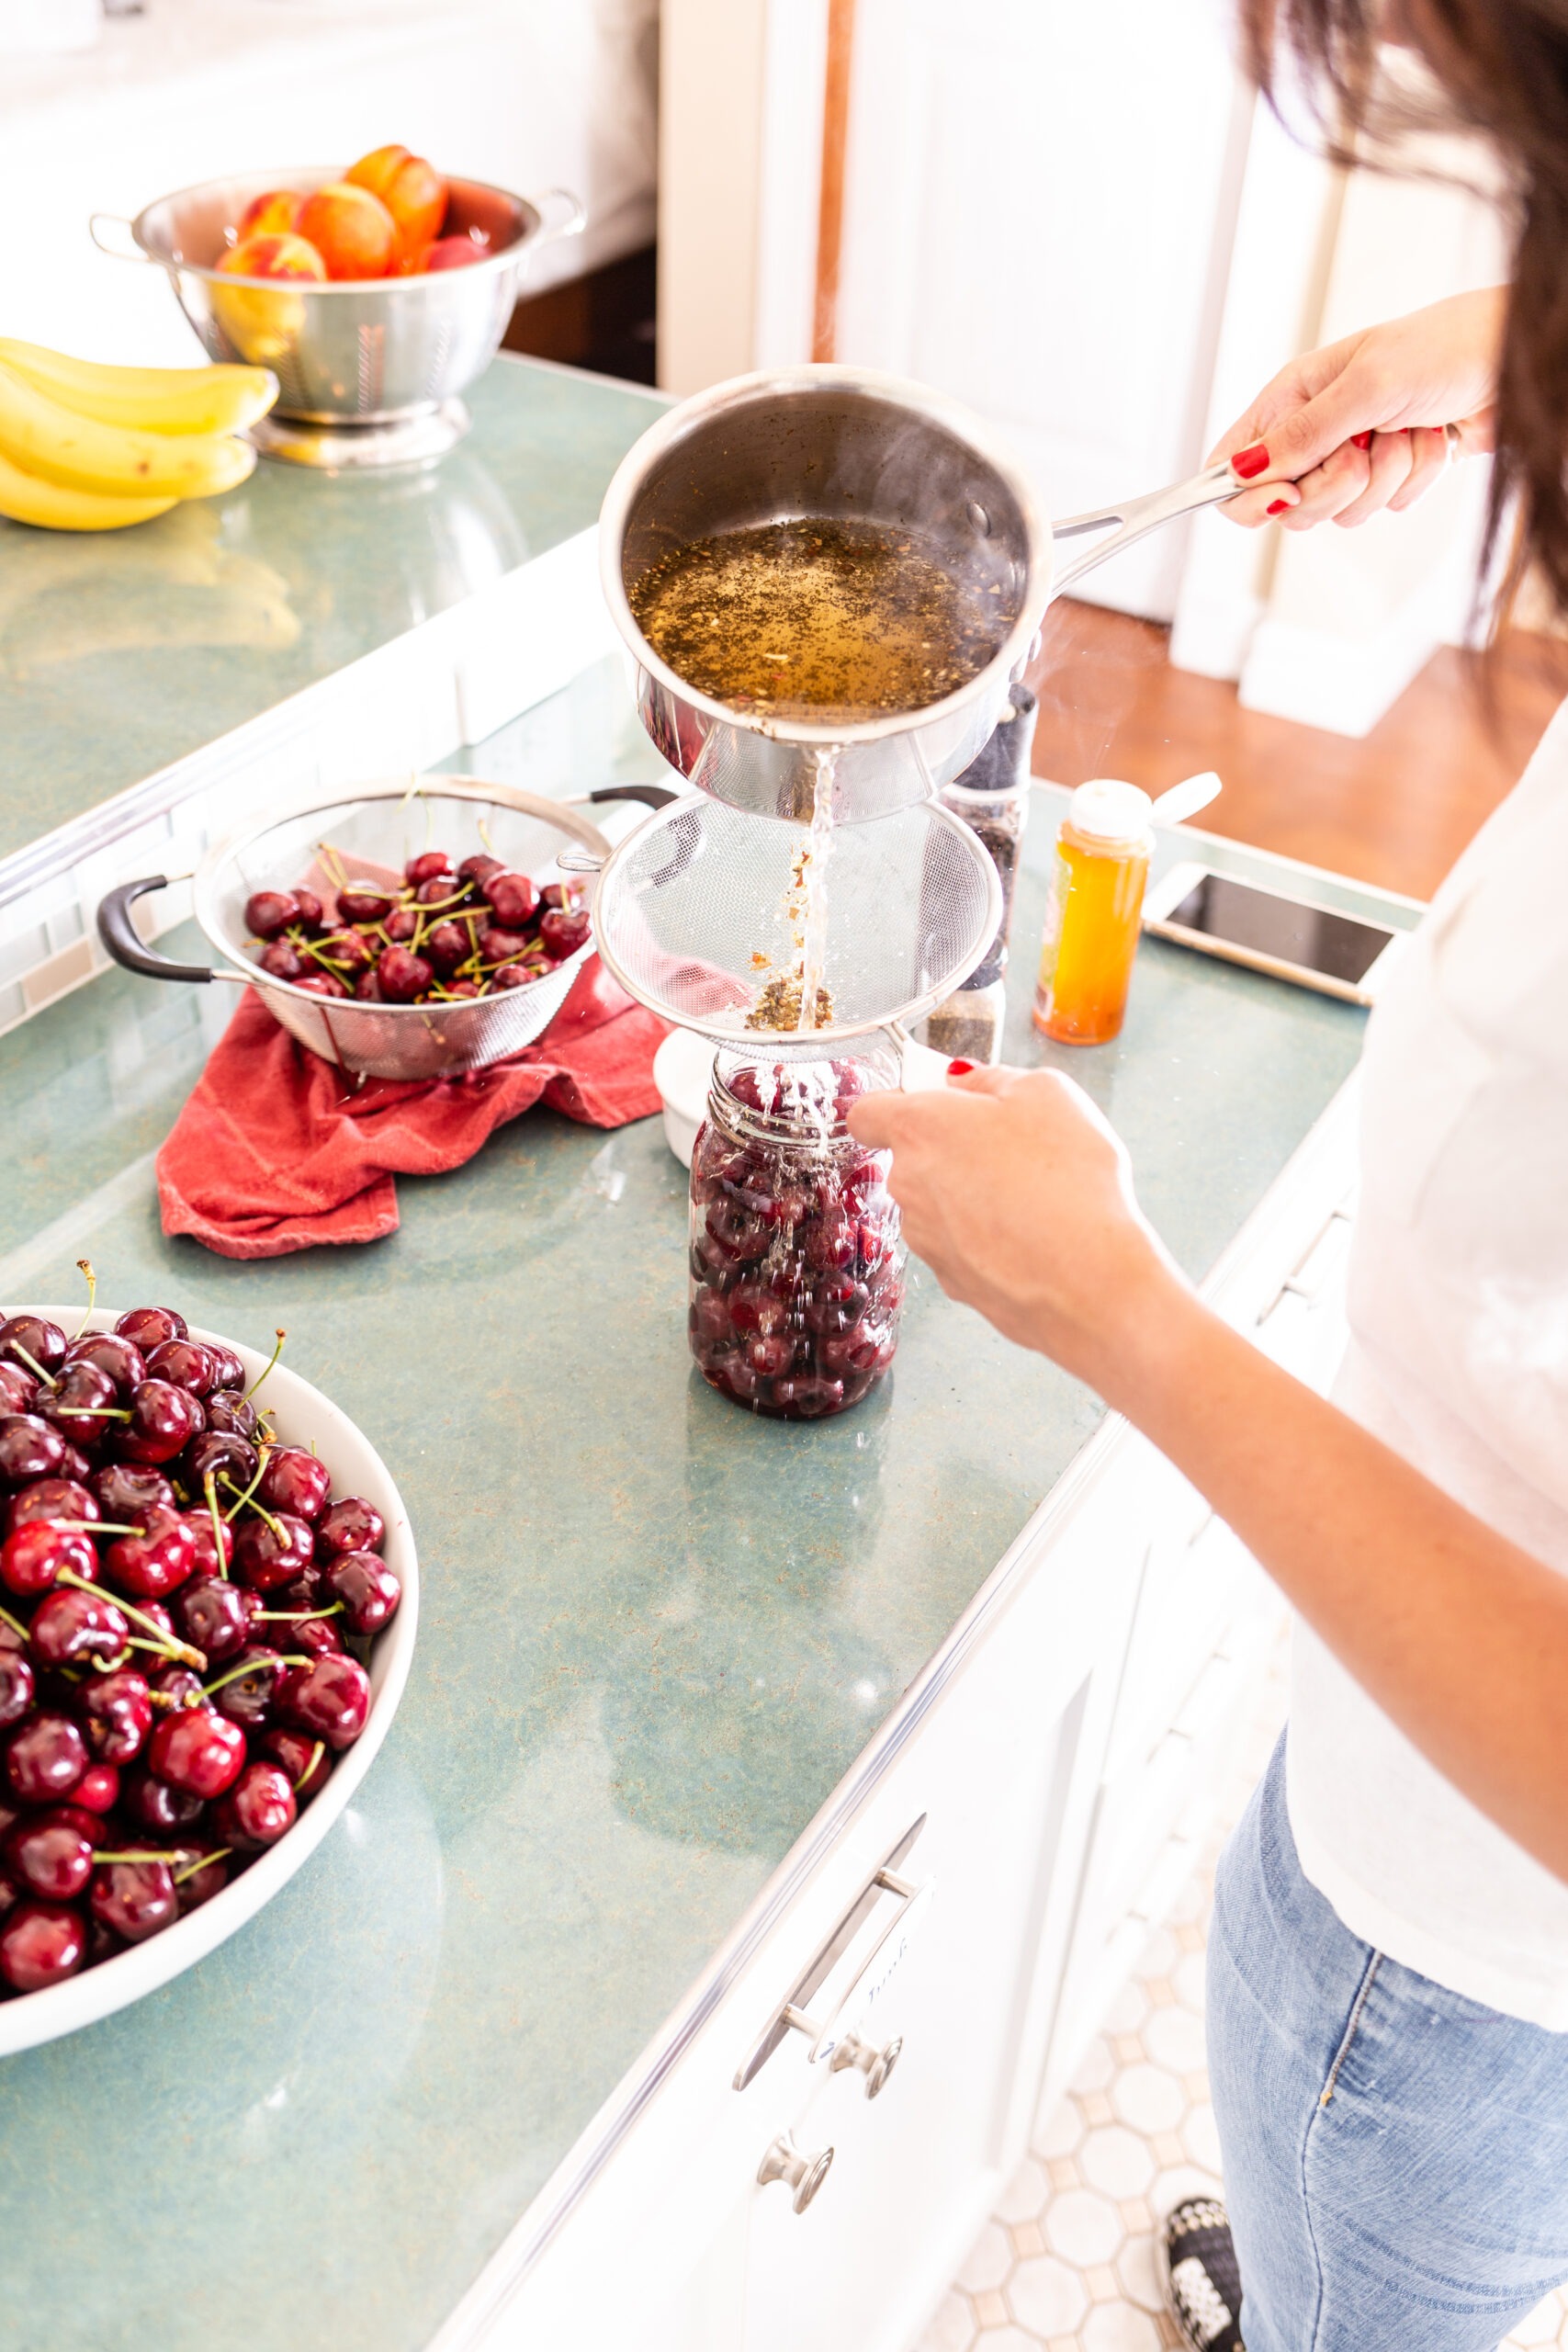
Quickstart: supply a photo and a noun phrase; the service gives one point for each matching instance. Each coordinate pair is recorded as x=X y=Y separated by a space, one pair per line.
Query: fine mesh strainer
x=373 y=826
x=694 y=915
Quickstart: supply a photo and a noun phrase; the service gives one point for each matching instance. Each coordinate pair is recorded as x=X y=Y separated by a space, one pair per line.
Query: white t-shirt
x=1459 y=1360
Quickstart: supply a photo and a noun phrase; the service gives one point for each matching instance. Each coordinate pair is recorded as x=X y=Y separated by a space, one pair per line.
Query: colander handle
x=96 y=224
x=652 y=796
x=119 y=934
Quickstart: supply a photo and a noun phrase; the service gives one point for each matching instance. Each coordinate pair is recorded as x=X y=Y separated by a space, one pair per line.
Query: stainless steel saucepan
x=844 y=443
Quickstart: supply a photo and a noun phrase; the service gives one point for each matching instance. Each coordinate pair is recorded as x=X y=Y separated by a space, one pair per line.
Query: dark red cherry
x=206 y=1538
x=769 y=1353
x=368 y=1589
x=156 y=1561
x=865 y=1347
x=268 y=1554
x=351 y=1524
x=807 y=1396
x=479 y=868
x=33 y=1556
x=45 y=1758
x=83 y=1404
x=442 y=891
x=309 y=908
x=446 y=946
x=364 y=905
x=29 y=1448
x=146 y=1325
x=300 y=1596
x=402 y=925
x=116 y=1713
x=499 y=946
x=512 y=976
x=367 y=990
x=51 y=1499
x=19 y=1389
x=175 y=1685
x=322 y=984
x=196 y=1886
x=156 y=1806
x=510 y=897
x=98 y=1788
x=296 y=1482
x=402 y=975
x=128 y=1494
x=753 y=1306
x=124 y=1363
x=315 y=1636
x=353 y=954
x=40 y=1944
x=247 y=1698
x=230 y=1414
x=22 y=1336
x=50 y=1854
x=230 y=1371
x=17 y=1687
x=269 y=911
x=836 y=1302
x=199 y=1750
x=77 y=1464
x=307 y=1760
x=257 y=1810
x=282 y=960
x=218 y=1454
x=212 y=1615
x=163 y=1419
x=330 y=1698
x=564 y=930
x=185 y=1364
x=133 y=1899
x=70 y=1625
x=430 y=865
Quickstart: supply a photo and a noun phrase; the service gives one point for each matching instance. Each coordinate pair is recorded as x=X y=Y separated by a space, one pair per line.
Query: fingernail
x=1247 y=462
x=1279 y=506
x=959 y=1069
x=1362 y=440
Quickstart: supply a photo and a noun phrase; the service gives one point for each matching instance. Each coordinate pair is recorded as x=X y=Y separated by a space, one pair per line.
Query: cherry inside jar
x=797 y=1268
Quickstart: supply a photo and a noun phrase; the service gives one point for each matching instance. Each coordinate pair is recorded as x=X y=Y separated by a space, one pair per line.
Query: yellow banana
x=153 y=400
x=26 y=498
x=42 y=437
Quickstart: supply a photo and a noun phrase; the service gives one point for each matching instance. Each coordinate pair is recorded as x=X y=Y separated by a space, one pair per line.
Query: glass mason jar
x=797 y=1265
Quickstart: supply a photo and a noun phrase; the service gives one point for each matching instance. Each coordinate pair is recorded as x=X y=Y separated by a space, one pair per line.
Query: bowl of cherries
x=208 y=1596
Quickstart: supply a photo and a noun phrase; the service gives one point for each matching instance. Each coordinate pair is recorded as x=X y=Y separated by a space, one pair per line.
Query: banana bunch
x=85 y=448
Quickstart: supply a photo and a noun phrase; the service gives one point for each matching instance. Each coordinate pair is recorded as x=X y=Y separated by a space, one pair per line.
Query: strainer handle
x=119 y=934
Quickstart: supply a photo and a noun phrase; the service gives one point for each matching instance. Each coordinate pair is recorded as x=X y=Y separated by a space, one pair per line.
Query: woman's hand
x=1344 y=432
x=1019 y=1197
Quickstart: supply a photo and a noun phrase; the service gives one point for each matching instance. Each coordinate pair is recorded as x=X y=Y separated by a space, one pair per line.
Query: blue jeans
x=1396 y=2156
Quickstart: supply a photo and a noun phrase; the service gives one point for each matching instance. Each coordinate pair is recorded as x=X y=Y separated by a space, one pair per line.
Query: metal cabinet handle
x=801 y=2174
x=1292 y=1286
x=874 y=2064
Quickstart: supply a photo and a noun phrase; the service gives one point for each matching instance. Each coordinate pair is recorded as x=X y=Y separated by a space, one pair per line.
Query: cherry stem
x=113 y=1665
x=151 y=1856
x=256 y=1383
x=91 y=1412
x=292 y=1616
x=181 y=1650
x=317 y=1753
x=16 y=1627
x=201 y=1863
x=248 y=1665
x=33 y=1365
x=250 y=1490
x=84 y=1266
x=96 y=1527
x=209 y=1488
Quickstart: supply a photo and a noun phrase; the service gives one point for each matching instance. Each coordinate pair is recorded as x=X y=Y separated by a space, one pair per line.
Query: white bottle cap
x=1105 y=811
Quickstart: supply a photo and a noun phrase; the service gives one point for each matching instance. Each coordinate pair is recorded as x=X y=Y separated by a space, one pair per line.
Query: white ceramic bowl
x=682 y=1071
x=300 y=1413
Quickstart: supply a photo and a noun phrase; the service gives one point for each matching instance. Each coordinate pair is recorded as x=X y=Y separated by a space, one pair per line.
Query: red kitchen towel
x=270 y=1154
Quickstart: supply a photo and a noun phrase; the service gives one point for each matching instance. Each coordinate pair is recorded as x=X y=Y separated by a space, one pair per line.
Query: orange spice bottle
x=1100 y=865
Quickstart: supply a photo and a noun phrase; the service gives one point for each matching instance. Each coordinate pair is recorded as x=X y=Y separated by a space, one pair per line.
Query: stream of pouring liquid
x=813 y=930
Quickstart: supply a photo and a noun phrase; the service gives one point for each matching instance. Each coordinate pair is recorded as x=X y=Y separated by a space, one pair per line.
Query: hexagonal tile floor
x=1068 y=2260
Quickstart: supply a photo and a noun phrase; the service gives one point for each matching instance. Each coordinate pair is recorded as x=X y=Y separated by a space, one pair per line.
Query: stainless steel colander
x=693 y=914
x=376 y=825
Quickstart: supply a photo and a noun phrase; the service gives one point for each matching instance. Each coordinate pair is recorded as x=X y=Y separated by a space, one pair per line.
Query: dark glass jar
x=798 y=1268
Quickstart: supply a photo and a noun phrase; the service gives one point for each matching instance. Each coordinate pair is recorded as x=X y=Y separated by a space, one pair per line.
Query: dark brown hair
x=1503 y=69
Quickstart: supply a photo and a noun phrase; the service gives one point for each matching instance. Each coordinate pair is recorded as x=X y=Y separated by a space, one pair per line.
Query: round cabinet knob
x=801 y=2174
x=874 y=2064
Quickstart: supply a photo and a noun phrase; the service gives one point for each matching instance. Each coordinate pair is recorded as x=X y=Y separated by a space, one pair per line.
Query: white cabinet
x=977 y=1889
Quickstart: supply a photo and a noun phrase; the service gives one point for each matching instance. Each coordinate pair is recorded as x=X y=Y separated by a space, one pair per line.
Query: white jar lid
x=1107 y=810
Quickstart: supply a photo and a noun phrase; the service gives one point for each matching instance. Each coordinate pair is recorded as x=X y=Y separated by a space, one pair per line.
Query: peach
x=448 y=252
x=272 y=215
x=412 y=191
x=351 y=230
x=274 y=257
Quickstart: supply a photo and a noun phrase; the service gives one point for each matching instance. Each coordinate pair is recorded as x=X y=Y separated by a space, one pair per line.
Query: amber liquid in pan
x=830 y=622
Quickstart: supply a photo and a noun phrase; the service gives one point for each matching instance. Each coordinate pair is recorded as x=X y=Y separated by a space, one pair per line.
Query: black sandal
x=1202 y=2277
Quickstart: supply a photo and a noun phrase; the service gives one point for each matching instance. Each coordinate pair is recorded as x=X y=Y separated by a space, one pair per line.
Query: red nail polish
x=1280 y=506
x=1249 y=462
x=1362 y=440
x=959 y=1069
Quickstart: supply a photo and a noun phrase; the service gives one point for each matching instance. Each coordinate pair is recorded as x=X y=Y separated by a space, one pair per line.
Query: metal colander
x=692 y=914
x=377 y=826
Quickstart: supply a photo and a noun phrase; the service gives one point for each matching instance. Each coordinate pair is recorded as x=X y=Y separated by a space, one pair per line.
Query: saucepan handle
x=119 y=935
x=1139 y=516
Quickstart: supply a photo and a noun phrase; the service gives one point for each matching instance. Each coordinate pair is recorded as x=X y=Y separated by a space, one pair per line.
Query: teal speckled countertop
x=121 y=652
x=655 y=1633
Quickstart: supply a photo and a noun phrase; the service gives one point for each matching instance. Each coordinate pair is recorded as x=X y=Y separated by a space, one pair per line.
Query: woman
x=1388 y=1969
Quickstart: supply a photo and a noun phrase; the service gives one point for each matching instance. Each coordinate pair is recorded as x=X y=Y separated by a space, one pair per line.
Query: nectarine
x=351 y=230
x=450 y=253
x=272 y=215
x=277 y=256
x=412 y=191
